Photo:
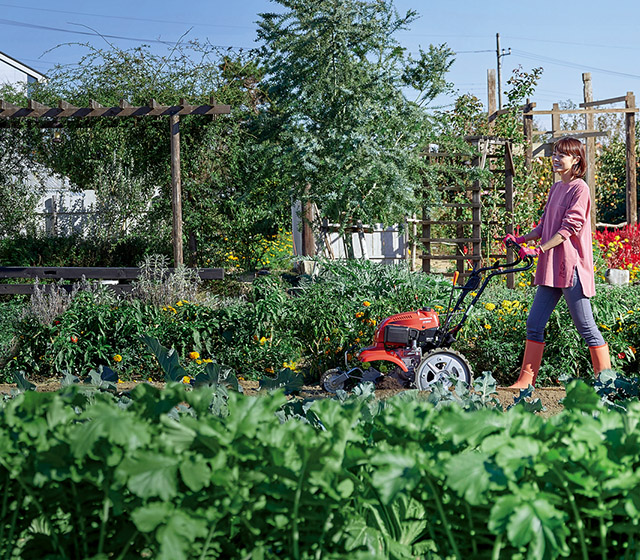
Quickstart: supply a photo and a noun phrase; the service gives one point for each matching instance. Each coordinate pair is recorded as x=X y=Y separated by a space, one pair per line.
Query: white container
x=617 y=277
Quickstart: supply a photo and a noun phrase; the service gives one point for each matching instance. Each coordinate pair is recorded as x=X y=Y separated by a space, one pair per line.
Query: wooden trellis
x=468 y=238
x=53 y=117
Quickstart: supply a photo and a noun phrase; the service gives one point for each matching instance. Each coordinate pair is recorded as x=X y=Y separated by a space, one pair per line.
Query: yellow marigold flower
x=263 y=340
x=359 y=314
x=269 y=370
x=198 y=362
x=194 y=355
x=186 y=379
x=366 y=303
x=521 y=284
x=208 y=361
x=117 y=358
x=149 y=380
x=489 y=306
x=120 y=381
x=179 y=304
x=488 y=327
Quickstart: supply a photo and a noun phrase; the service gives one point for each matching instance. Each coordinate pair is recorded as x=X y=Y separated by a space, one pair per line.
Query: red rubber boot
x=530 y=365
x=600 y=358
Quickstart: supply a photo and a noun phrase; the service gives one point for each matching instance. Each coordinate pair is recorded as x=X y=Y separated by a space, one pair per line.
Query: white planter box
x=617 y=277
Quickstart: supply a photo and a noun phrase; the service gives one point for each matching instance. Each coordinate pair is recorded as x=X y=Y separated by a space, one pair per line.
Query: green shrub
x=42 y=250
x=308 y=323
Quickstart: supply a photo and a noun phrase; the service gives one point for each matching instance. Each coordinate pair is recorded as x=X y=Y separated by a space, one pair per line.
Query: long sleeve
x=567 y=213
x=576 y=213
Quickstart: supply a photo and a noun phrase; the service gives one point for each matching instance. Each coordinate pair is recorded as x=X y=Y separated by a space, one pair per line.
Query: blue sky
x=565 y=39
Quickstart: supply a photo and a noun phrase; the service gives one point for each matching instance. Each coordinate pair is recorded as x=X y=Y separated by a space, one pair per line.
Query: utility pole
x=499 y=55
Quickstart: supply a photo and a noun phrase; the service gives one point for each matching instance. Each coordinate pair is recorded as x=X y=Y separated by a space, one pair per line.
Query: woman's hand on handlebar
x=513 y=239
x=532 y=252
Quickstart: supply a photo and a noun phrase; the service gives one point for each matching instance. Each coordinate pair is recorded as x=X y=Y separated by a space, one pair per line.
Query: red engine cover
x=419 y=320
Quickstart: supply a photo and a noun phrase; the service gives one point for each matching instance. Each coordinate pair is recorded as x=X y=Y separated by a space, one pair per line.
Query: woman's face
x=563 y=163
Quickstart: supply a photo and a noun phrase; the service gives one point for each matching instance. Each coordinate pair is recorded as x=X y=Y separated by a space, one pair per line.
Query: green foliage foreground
x=204 y=474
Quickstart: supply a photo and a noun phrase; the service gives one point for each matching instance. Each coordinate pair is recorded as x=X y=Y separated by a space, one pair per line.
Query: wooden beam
x=64 y=109
x=6 y=106
x=35 y=106
x=583 y=111
x=587 y=104
x=66 y=106
x=500 y=112
x=91 y=272
x=574 y=133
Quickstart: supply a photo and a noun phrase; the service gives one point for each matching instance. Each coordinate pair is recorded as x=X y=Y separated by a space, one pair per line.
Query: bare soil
x=550 y=397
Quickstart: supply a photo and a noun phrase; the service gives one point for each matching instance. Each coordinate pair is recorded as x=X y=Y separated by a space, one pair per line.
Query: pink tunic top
x=567 y=213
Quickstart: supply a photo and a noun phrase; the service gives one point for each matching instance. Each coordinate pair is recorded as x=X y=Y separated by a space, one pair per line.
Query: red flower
x=74 y=338
x=622 y=355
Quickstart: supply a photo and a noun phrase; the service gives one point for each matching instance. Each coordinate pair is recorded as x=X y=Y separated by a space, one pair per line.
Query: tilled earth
x=550 y=397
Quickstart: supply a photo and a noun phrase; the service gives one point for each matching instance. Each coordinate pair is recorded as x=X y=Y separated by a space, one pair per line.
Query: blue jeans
x=545 y=302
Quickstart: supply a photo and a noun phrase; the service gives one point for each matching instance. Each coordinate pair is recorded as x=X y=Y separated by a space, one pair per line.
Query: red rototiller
x=416 y=345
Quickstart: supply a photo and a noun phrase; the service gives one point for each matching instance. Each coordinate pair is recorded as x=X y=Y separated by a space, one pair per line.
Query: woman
x=565 y=262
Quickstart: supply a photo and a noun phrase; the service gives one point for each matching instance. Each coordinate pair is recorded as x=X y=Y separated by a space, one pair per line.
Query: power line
x=100 y=35
x=534 y=56
x=574 y=43
x=129 y=18
x=59 y=29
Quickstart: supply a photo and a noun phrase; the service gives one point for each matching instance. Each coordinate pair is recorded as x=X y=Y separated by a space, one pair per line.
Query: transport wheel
x=332 y=380
x=442 y=365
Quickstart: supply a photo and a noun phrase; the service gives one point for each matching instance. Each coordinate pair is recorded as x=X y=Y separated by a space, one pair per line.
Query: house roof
x=21 y=67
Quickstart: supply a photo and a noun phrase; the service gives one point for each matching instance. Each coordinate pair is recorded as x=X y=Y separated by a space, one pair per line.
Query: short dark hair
x=573 y=147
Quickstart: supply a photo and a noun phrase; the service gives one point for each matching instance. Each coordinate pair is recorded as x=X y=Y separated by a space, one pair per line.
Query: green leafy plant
x=183 y=474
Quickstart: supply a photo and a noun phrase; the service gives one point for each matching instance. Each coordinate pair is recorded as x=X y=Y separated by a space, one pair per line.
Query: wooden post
x=476 y=217
x=176 y=190
x=491 y=96
x=528 y=140
x=630 y=136
x=590 y=176
x=426 y=247
x=508 y=203
x=528 y=134
x=555 y=126
x=308 y=239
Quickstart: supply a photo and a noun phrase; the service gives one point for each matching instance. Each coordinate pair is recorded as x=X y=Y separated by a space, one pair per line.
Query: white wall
x=382 y=244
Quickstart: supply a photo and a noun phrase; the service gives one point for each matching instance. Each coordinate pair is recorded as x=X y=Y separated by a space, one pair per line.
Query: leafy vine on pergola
x=53 y=117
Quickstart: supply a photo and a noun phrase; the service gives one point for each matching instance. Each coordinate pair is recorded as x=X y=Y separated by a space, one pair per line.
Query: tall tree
x=340 y=82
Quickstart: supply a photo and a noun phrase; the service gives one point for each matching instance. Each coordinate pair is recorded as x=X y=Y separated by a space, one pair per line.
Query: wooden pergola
x=53 y=117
